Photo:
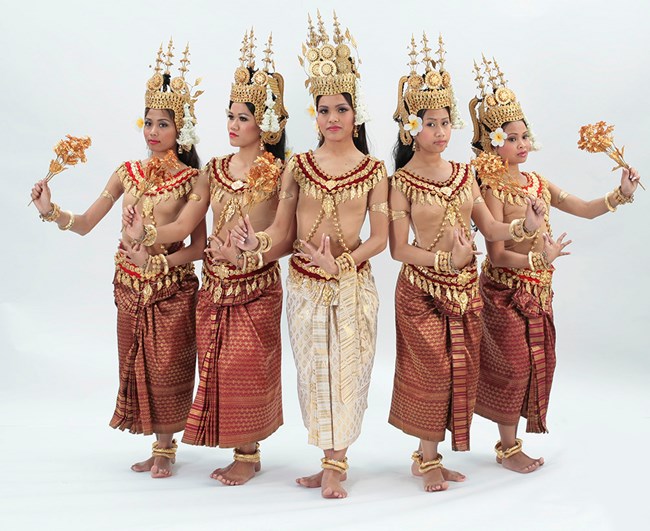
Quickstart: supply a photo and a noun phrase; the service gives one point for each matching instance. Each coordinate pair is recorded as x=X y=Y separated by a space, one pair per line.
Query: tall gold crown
x=430 y=90
x=263 y=88
x=165 y=92
x=330 y=66
x=495 y=105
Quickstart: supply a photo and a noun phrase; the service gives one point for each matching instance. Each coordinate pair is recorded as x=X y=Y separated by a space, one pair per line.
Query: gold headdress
x=495 y=106
x=165 y=92
x=331 y=67
x=430 y=90
x=262 y=88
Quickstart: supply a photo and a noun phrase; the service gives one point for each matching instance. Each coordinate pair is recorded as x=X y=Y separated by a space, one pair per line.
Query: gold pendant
x=328 y=206
x=446 y=190
x=329 y=184
x=147 y=207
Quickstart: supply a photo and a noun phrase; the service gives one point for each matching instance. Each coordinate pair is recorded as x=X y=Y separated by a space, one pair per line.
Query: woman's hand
x=553 y=249
x=629 y=181
x=243 y=235
x=133 y=222
x=42 y=197
x=135 y=253
x=321 y=257
x=463 y=252
x=215 y=248
x=535 y=210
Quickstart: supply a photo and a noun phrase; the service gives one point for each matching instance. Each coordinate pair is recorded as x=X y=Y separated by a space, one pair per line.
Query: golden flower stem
x=615 y=154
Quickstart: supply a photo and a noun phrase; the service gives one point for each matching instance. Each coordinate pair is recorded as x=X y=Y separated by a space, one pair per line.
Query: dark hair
x=361 y=140
x=278 y=149
x=189 y=158
x=403 y=154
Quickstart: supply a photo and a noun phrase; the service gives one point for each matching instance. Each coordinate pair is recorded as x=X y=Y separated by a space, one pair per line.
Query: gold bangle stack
x=346 y=263
x=169 y=453
x=264 y=242
x=252 y=261
x=52 y=215
x=538 y=261
x=518 y=230
x=430 y=465
x=620 y=198
x=150 y=235
x=70 y=222
x=333 y=464
x=156 y=264
x=442 y=263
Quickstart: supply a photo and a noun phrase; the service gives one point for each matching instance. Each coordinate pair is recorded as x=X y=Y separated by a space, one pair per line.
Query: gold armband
x=284 y=195
x=562 y=196
x=620 y=198
x=70 y=222
x=479 y=199
x=346 y=263
x=537 y=261
x=382 y=208
x=52 y=215
x=194 y=197
x=108 y=195
x=264 y=242
x=150 y=235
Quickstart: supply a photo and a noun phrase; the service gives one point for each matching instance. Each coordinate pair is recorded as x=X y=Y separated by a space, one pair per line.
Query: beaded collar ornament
x=330 y=67
x=165 y=92
x=430 y=90
x=263 y=88
x=494 y=106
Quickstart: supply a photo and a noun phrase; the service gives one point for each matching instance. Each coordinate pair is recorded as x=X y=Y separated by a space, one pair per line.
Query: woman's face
x=335 y=118
x=159 y=131
x=242 y=129
x=517 y=143
x=436 y=131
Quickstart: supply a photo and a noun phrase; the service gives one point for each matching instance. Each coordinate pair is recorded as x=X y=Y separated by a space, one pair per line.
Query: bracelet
x=155 y=265
x=516 y=229
x=264 y=242
x=452 y=267
x=442 y=262
x=608 y=204
x=528 y=234
x=620 y=198
x=70 y=222
x=108 y=195
x=52 y=215
x=346 y=263
x=538 y=261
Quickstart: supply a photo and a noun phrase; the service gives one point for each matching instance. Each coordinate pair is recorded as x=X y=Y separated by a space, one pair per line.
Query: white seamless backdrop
x=81 y=67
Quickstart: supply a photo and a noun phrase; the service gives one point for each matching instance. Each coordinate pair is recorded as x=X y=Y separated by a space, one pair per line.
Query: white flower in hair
x=414 y=125
x=361 y=115
x=456 y=121
x=498 y=137
x=188 y=137
x=270 y=120
x=534 y=144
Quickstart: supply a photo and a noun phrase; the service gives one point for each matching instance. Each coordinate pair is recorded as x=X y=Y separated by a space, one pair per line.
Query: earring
x=262 y=147
x=356 y=131
x=180 y=149
x=415 y=146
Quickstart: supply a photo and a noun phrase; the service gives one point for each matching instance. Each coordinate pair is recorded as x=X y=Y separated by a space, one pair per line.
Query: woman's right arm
x=398 y=233
x=82 y=223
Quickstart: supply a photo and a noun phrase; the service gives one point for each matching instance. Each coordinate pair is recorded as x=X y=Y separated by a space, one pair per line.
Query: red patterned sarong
x=239 y=399
x=157 y=348
x=518 y=347
x=438 y=327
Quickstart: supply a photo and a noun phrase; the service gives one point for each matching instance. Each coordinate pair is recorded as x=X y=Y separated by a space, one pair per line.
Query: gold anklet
x=248 y=458
x=333 y=464
x=508 y=452
x=425 y=466
x=169 y=453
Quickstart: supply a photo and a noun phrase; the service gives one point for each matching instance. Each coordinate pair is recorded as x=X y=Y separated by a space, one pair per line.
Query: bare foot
x=434 y=480
x=521 y=463
x=328 y=480
x=236 y=473
x=160 y=467
x=448 y=475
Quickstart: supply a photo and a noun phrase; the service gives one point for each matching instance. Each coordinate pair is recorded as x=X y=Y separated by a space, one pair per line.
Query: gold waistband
x=133 y=276
x=537 y=283
x=460 y=288
x=224 y=280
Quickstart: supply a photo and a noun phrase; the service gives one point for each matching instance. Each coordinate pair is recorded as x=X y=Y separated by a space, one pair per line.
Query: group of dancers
x=466 y=342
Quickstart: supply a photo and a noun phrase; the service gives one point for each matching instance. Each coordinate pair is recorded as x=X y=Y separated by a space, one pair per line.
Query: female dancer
x=332 y=300
x=518 y=344
x=239 y=400
x=156 y=299
x=437 y=304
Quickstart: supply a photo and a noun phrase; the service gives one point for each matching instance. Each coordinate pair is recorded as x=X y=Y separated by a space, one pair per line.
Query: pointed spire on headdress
x=441 y=53
x=159 y=60
x=426 y=59
x=480 y=82
x=250 y=54
x=268 y=52
x=185 y=60
x=413 y=54
x=502 y=80
x=169 y=55
x=321 y=29
x=338 y=36
x=243 y=49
